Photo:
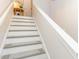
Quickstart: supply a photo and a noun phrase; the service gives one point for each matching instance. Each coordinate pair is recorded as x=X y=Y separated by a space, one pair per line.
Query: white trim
x=1 y=50
x=2 y=18
x=4 y=39
x=78 y=27
x=67 y=38
x=43 y=43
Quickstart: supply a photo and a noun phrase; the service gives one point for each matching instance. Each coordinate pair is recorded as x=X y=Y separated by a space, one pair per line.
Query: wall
x=64 y=13
x=56 y=46
x=5 y=19
x=3 y=5
x=44 y=5
x=27 y=7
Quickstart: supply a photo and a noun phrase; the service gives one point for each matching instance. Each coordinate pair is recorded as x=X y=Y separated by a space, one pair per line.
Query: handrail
x=66 y=37
x=4 y=14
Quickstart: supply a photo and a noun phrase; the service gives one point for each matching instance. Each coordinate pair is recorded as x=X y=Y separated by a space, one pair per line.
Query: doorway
x=22 y=7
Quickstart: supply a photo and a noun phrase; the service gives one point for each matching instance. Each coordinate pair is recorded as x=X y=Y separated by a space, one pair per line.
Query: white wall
x=3 y=5
x=56 y=46
x=27 y=7
x=64 y=13
x=5 y=19
x=44 y=5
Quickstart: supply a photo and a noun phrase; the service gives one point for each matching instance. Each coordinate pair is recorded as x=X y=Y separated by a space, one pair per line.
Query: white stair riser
x=22 y=28
x=22 y=20
x=25 y=54
x=25 y=33
x=42 y=56
x=11 y=41
x=16 y=23
x=23 y=17
x=20 y=49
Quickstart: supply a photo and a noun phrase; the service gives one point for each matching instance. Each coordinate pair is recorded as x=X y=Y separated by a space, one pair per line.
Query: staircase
x=23 y=40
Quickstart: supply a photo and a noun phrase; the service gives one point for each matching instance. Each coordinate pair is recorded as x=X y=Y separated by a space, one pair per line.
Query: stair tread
x=29 y=54
x=23 y=21
x=20 y=49
x=14 y=40
x=24 y=33
x=26 y=36
x=24 y=25
x=22 y=28
x=21 y=44
x=17 y=23
x=38 y=55
x=24 y=17
x=41 y=56
x=25 y=54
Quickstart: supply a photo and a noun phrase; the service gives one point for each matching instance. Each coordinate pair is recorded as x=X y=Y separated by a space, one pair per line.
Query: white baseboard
x=2 y=24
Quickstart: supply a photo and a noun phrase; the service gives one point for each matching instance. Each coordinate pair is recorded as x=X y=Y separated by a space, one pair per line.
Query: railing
x=54 y=36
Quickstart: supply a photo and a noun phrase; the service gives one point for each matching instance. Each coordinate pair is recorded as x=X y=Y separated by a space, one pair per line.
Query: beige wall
x=64 y=13
x=27 y=7
x=3 y=5
x=56 y=46
x=6 y=20
x=44 y=5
